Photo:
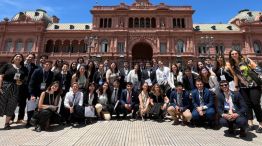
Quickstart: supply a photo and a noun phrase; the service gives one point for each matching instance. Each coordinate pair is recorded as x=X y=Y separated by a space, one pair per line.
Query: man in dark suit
x=148 y=73
x=231 y=109
x=42 y=60
x=114 y=104
x=189 y=79
x=123 y=74
x=129 y=101
x=179 y=105
x=40 y=80
x=203 y=102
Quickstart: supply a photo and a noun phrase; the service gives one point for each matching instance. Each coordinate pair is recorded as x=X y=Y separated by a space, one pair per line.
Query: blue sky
x=78 y=11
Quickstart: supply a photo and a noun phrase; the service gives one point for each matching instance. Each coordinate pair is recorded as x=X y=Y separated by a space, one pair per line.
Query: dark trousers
x=134 y=110
x=116 y=111
x=48 y=117
x=252 y=97
x=23 y=94
x=240 y=122
x=77 y=116
x=209 y=115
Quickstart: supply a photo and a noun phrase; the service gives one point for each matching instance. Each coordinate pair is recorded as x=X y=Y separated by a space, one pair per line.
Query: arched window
x=29 y=45
x=147 y=22
x=109 y=23
x=74 y=47
x=174 y=23
x=202 y=49
x=130 y=23
x=180 y=46
x=220 y=49
x=153 y=23
x=19 y=45
x=257 y=47
x=49 y=46
x=58 y=46
x=142 y=22
x=8 y=44
x=66 y=46
x=136 y=22
x=105 y=23
x=104 y=46
x=82 y=48
x=237 y=47
x=101 y=23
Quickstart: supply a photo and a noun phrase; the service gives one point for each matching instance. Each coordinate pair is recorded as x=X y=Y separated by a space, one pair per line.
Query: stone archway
x=142 y=52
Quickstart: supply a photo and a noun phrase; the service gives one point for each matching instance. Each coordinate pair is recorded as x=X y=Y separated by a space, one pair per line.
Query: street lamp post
x=208 y=42
x=90 y=43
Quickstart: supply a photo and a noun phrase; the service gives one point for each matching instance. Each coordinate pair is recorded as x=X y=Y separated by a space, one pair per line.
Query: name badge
x=226 y=106
x=42 y=86
x=100 y=82
x=222 y=77
x=17 y=76
x=63 y=87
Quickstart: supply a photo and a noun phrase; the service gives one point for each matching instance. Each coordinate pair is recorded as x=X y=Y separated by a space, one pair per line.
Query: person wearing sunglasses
x=232 y=109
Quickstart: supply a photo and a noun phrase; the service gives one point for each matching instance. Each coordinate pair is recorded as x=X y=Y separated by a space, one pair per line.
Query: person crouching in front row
x=48 y=107
x=232 y=109
x=179 y=105
x=203 y=102
x=129 y=101
x=73 y=100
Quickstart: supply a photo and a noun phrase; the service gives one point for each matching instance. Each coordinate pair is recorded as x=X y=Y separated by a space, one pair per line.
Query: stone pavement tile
x=64 y=141
x=41 y=140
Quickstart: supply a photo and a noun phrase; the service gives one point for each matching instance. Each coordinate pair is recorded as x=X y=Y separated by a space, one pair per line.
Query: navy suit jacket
x=145 y=76
x=119 y=92
x=208 y=98
x=185 y=99
x=86 y=99
x=238 y=101
x=134 y=98
x=37 y=79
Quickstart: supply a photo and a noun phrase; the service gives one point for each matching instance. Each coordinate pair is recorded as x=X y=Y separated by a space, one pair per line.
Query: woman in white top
x=112 y=74
x=134 y=76
x=175 y=76
x=103 y=102
x=209 y=80
x=81 y=78
x=144 y=100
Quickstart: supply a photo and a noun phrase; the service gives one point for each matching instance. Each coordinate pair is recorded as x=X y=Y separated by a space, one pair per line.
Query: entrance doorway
x=141 y=52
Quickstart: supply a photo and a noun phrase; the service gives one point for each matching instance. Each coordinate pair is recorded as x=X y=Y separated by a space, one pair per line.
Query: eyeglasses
x=223 y=85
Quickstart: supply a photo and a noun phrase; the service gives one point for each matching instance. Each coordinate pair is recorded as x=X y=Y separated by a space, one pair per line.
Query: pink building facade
x=136 y=32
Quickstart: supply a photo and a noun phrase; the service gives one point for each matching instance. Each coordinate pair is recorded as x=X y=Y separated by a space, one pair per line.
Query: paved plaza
x=119 y=133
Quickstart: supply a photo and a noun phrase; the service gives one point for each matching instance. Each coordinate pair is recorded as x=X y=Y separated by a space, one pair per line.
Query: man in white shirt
x=73 y=100
x=162 y=76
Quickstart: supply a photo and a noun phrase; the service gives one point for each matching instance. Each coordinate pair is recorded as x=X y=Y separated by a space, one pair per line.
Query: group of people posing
x=223 y=93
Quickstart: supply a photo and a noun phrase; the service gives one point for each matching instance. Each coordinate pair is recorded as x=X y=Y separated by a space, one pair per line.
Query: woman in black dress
x=48 y=107
x=12 y=76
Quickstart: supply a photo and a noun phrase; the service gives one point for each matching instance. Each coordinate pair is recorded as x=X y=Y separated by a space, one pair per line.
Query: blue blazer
x=238 y=101
x=185 y=99
x=134 y=98
x=208 y=98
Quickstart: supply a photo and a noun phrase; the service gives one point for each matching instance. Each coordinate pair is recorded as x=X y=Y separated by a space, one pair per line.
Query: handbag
x=155 y=110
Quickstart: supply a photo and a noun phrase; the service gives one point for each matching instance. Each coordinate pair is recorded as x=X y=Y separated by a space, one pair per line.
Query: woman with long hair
x=91 y=71
x=104 y=96
x=81 y=78
x=144 y=100
x=134 y=76
x=48 y=106
x=158 y=101
x=112 y=74
x=12 y=76
x=242 y=67
x=209 y=80
x=175 y=76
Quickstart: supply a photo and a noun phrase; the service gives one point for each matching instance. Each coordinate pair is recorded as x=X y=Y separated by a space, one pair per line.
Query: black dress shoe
x=38 y=128
x=7 y=127
x=242 y=133
x=259 y=130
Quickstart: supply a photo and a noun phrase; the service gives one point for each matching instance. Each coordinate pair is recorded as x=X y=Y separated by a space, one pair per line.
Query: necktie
x=201 y=98
x=179 y=98
x=74 y=96
x=115 y=94
x=129 y=98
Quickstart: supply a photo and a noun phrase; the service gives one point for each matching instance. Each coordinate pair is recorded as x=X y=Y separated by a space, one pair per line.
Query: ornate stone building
x=136 y=32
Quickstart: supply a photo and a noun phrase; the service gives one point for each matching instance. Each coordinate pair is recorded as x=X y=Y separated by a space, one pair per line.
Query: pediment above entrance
x=142 y=3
